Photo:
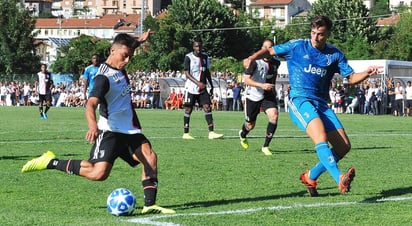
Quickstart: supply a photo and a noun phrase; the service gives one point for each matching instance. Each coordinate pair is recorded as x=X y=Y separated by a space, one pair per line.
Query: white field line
x=152 y=220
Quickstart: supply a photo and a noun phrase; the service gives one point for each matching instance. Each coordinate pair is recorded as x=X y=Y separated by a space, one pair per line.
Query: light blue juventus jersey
x=311 y=70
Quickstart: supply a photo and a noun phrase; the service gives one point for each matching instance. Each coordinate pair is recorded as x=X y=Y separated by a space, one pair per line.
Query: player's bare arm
x=201 y=85
x=209 y=79
x=360 y=76
x=90 y=113
x=264 y=52
x=142 y=38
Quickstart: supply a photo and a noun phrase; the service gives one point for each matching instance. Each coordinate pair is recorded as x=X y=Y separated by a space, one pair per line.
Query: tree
x=352 y=25
x=399 y=46
x=17 y=49
x=188 y=20
x=381 y=8
x=76 y=56
x=299 y=28
x=236 y=4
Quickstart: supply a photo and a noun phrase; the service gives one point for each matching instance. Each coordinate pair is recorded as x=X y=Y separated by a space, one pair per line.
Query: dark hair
x=126 y=40
x=269 y=40
x=322 y=21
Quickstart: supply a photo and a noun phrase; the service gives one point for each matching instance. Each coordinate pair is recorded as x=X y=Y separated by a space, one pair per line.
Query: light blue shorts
x=303 y=110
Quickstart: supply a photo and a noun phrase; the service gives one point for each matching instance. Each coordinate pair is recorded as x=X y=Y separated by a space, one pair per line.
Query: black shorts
x=45 y=97
x=191 y=99
x=253 y=108
x=111 y=145
x=408 y=103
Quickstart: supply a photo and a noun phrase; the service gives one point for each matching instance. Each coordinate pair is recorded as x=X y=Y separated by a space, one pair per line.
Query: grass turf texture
x=204 y=180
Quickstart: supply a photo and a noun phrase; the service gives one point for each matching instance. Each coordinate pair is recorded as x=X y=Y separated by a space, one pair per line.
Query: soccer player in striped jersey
x=196 y=67
x=260 y=94
x=44 y=85
x=117 y=132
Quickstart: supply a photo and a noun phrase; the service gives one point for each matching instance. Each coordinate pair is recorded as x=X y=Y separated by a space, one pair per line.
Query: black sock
x=68 y=166
x=209 y=120
x=186 y=120
x=245 y=131
x=150 y=191
x=47 y=109
x=270 y=130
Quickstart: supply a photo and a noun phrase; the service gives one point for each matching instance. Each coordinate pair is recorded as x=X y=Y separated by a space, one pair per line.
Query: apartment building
x=92 y=8
x=52 y=33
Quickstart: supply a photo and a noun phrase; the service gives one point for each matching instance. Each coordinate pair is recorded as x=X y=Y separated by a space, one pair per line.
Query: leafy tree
x=236 y=4
x=352 y=25
x=227 y=63
x=399 y=47
x=17 y=50
x=188 y=20
x=381 y=8
x=299 y=28
x=76 y=56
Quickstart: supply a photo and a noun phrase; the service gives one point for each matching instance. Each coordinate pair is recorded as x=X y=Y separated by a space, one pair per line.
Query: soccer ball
x=121 y=202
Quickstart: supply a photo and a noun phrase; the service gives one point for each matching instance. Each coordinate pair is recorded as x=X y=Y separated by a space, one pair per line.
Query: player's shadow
x=29 y=157
x=372 y=148
x=203 y=204
x=389 y=193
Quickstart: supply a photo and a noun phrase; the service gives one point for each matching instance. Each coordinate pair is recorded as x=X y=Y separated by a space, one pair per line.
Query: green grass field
x=207 y=182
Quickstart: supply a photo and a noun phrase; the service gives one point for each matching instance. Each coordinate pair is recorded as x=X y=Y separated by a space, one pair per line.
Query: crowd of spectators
x=365 y=98
x=371 y=97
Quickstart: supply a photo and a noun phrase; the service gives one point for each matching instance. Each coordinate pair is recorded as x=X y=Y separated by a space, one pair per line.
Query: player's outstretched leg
x=39 y=163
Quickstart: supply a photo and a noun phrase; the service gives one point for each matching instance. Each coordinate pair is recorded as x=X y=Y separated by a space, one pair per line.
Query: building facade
x=92 y=8
x=52 y=33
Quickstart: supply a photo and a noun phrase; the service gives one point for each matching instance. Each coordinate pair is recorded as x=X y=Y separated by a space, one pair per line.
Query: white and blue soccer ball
x=121 y=202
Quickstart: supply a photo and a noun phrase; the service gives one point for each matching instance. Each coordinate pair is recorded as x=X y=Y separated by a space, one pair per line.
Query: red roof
x=107 y=21
x=271 y=2
x=388 y=21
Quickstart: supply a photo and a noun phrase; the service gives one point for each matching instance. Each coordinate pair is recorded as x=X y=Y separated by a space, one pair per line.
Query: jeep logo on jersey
x=315 y=70
x=126 y=90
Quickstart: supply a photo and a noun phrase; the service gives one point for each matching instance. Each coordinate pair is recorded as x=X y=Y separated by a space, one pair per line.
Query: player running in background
x=117 y=133
x=89 y=74
x=44 y=85
x=311 y=64
x=260 y=94
x=196 y=66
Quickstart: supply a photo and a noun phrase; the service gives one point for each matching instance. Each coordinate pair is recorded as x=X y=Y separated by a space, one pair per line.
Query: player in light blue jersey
x=311 y=64
x=89 y=73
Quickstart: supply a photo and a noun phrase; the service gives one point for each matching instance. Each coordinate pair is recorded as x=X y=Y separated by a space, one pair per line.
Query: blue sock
x=318 y=169
x=328 y=160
